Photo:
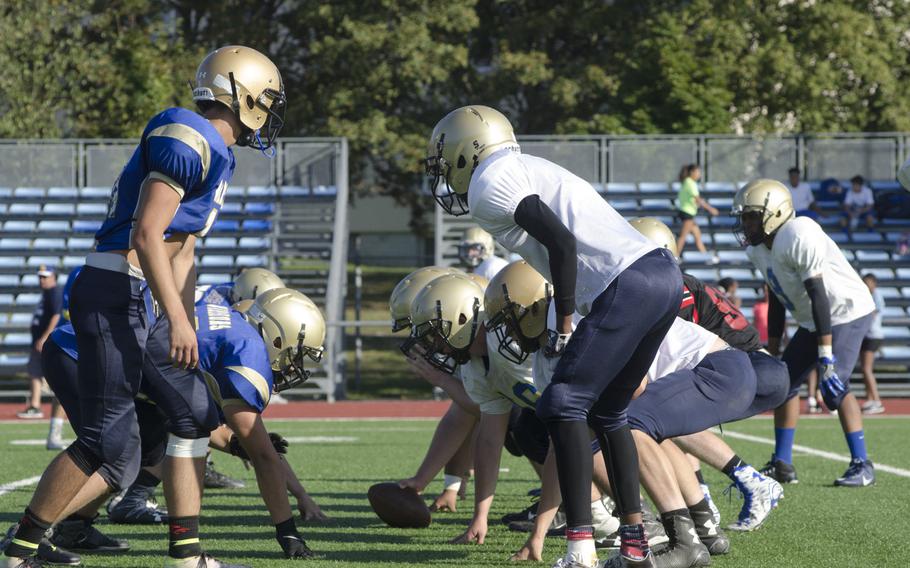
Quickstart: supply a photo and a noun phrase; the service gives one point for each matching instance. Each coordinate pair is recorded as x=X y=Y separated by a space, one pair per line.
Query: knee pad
x=187 y=448
x=86 y=460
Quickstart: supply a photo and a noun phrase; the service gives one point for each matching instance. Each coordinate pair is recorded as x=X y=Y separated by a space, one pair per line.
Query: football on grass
x=397 y=507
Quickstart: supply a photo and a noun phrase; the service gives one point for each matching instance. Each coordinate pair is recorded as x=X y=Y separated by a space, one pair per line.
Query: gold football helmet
x=476 y=246
x=445 y=316
x=249 y=84
x=656 y=231
x=516 y=304
x=460 y=142
x=770 y=200
x=408 y=288
x=293 y=328
x=251 y=282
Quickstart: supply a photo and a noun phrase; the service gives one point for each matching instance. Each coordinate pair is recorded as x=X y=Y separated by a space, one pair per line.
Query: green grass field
x=816 y=525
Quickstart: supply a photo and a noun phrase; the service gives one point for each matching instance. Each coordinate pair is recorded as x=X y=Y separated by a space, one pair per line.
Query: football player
x=243 y=358
x=168 y=195
x=626 y=287
x=519 y=320
x=447 y=318
x=810 y=278
x=477 y=253
x=708 y=307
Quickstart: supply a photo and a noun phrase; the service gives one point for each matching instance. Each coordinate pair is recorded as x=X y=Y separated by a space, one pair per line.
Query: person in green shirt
x=687 y=203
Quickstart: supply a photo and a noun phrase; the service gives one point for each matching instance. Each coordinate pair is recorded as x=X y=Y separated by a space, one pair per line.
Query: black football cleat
x=780 y=471
x=79 y=535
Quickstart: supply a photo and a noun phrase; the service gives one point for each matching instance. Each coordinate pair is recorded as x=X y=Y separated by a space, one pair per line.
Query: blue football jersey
x=215 y=294
x=233 y=357
x=182 y=149
x=67 y=288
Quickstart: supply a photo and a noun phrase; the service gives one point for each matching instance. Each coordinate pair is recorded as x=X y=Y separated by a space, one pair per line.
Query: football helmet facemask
x=293 y=329
x=516 y=304
x=249 y=84
x=459 y=143
x=445 y=316
x=475 y=247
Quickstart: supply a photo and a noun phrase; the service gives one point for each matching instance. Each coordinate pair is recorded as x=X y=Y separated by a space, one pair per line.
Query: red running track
x=384 y=409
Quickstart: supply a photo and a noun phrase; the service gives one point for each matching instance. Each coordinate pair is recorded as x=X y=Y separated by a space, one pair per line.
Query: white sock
x=582 y=549
x=56 y=428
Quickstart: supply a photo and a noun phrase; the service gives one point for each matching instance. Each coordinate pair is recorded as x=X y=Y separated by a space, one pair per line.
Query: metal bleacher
x=296 y=226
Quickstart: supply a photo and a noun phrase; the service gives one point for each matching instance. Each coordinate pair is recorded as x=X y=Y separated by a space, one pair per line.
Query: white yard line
x=812 y=452
x=13 y=485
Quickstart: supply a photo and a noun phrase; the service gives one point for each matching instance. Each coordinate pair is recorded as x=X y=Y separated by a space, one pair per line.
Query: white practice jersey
x=802 y=250
x=504 y=383
x=684 y=346
x=606 y=244
x=490 y=267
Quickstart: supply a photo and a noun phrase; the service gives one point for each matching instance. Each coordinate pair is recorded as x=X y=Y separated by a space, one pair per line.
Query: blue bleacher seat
x=235 y=192
x=6 y=192
x=48 y=226
x=213 y=278
x=894 y=312
x=217 y=260
x=722 y=203
x=880 y=273
x=20 y=318
x=896 y=352
x=625 y=206
x=219 y=242
x=29 y=192
x=70 y=262
x=875 y=237
x=613 y=187
x=37 y=261
x=736 y=273
x=293 y=191
x=896 y=332
x=261 y=191
x=871 y=255
x=80 y=226
x=13 y=360
x=704 y=274
x=727 y=186
x=22 y=226
x=14 y=244
x=653 y=187
x=25 y=208
x=723 y=221
x=903 y=273
x=886 y=185
x=695 y=256
x=45 y=243
x=259 y=208
x=9 y=280
x=656 y=204
x=226 y=226
x=747 y=311
x=325 y=190
x=59 y=209
x=839 y=237
x=29 y=280
x=232 y=207
x=257 y=225
x=10 y=262
x=249 y=260
x=3 y=207
x=67 y=192
x=889 y=292
x=91 y=209
x=79 y=244
x=725 y=238
x=733 y=256
x=254 y=243
x=747 y=293
x=95 y=192
x=28 y=299
x=17 y=339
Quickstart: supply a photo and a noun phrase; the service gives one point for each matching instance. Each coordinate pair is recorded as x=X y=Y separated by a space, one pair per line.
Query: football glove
x=833 y=389
x=556 y=344
x=278 y=442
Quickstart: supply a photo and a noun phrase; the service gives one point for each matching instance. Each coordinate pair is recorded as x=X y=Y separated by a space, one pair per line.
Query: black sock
x=699 y=477
x=77 y=518
x=571 y=441
x=146 y=479
x=28 y=535
x=734 y=463
x=620 y=455
x=701 y=507
x=184 y=537
x=665 y=518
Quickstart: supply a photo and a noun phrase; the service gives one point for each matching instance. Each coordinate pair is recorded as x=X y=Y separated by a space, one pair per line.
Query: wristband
x=452 y=482
x=825 y=352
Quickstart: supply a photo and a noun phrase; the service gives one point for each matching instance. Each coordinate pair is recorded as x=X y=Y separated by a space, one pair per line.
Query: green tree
x=87 y=68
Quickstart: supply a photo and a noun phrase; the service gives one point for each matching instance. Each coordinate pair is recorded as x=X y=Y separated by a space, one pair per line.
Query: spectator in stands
x=760 y=316
x=688 y=201
x=858 y=204
x=45 y=319
x=729 y=287
x=871 y=344
x=803 y=200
